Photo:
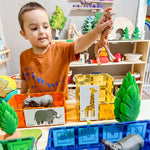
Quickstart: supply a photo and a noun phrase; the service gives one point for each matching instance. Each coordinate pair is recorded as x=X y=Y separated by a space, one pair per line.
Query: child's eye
x=45 y=27
x=34 y=29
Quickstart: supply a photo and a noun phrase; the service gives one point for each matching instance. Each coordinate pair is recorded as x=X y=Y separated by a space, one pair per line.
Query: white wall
x=9 y=13
x=3 y=67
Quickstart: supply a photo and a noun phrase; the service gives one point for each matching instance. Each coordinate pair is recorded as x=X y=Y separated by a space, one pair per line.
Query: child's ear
x=23 y=34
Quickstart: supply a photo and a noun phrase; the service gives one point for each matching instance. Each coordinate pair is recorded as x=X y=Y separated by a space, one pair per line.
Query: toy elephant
x=47 y=115
x=46 y=100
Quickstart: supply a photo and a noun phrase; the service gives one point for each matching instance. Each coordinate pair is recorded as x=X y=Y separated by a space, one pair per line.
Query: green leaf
x=8 y=124
x=117 y=102
x=121 y=92
x=8 y=118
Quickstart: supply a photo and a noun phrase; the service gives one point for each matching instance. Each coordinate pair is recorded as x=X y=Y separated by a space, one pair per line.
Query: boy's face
x=37 y=28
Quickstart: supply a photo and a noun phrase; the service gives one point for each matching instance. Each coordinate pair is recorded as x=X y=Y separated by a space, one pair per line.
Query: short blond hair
x=28 y=7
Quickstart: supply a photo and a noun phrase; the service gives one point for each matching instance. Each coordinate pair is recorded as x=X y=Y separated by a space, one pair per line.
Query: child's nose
x=41 y=30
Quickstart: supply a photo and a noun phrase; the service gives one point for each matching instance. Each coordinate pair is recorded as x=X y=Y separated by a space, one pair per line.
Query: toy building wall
x=9 y=13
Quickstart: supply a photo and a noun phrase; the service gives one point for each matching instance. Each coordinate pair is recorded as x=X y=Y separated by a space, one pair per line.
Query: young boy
x=45 y=66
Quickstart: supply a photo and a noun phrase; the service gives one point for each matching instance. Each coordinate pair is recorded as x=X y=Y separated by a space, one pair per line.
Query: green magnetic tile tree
x=127 y=102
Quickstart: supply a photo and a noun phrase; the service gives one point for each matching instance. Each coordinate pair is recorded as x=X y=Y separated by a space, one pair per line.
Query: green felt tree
x=136 y=35
x=8 y=118
x=126 y=34
x=97 y=17
x=58 y=21
x=127 y=102
x=88 y=25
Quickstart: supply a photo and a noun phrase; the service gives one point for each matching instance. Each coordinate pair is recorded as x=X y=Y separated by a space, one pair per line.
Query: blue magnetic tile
x=113 y=133
x=88 y=135
x=137 y=128
x=90 y=148
x=64 y=137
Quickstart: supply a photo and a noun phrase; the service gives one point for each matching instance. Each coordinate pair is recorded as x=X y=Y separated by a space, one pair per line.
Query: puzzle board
x=89 y=97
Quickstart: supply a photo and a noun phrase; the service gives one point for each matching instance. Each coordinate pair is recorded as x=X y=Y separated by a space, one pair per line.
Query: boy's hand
x=103 y=22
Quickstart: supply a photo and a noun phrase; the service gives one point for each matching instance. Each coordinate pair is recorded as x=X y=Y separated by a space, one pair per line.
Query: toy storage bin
x=20 y=143
x=17 y=100
x=90 y=136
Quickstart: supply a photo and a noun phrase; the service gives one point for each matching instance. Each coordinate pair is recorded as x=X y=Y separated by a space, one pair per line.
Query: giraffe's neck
x=92 y=99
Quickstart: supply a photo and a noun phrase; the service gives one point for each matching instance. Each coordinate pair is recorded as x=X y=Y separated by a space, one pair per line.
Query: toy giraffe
x=91 y=107
x=103 y=42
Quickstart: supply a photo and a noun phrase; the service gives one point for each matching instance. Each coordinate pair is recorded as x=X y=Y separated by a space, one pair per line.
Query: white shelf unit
x=7 y=52
x=118 y=68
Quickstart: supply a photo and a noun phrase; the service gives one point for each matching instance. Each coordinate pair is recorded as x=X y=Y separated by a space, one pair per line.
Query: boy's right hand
x=103 y=22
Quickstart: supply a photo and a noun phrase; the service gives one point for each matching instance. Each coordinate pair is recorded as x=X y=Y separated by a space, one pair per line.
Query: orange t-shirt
x=48 y=72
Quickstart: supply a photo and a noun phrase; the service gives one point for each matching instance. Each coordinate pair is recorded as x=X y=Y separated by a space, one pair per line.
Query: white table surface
x=42 y=142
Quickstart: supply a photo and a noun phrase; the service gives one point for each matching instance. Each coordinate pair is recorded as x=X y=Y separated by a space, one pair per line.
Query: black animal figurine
x=130 y=142
x=46 y=101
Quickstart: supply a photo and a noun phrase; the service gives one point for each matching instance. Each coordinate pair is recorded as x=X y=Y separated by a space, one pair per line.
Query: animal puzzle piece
x=4 y=90
x=47 y=115
x=46 y=101
x=103 y=42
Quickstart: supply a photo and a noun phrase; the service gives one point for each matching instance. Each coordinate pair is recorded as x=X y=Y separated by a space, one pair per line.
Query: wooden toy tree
x=136 y=34
x=87 y=26
x=58 y=21
x=127 y=102
x=126 y=34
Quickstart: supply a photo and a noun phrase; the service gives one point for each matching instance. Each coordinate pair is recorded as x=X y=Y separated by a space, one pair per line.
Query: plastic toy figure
x=103 y=42
x=130 y=142
x=46 y=100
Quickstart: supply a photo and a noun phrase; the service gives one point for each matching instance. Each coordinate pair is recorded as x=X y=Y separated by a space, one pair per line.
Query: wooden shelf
x=108 y=64
x=7 y=52
x=127 y=41
x=103 y=2
x=84 y=8
x=118 y=68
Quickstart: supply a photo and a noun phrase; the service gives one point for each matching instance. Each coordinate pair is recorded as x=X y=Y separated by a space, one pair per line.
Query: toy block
x=91 y=91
